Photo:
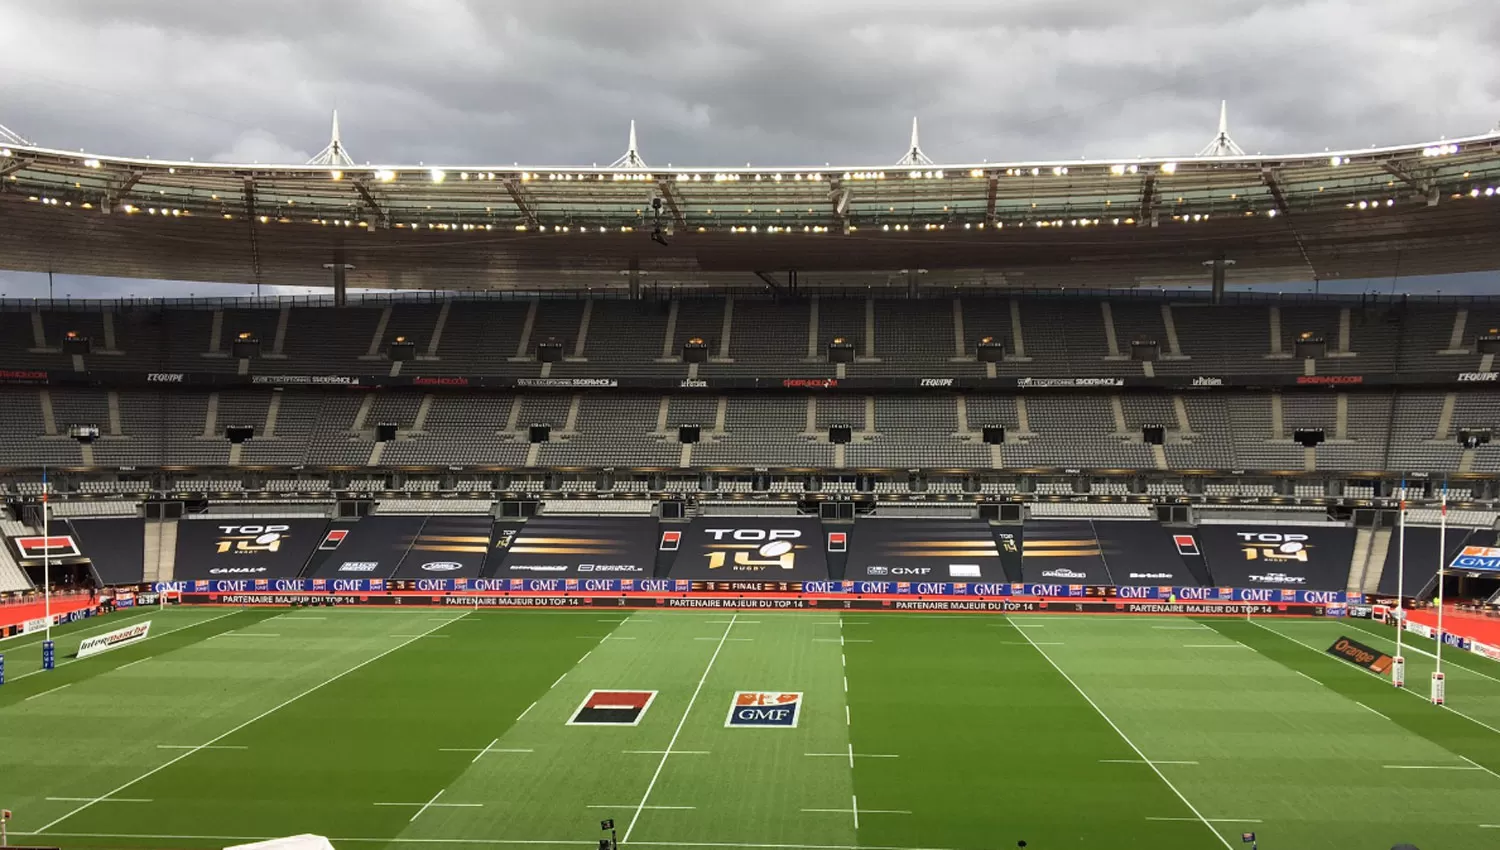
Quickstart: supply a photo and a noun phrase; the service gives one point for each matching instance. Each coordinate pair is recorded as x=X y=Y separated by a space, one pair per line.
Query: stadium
x=547 y=524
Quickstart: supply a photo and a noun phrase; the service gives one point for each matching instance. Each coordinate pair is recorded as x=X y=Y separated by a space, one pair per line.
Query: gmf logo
x=775 y=709
x=250 y=539
x=754 y=549
x=1273 y=546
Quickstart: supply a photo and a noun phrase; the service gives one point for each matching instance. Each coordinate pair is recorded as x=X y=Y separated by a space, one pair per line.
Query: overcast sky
x=772 y=82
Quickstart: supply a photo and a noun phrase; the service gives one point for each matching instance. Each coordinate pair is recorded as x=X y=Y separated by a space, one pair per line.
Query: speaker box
x=84 y=433
x=991 y=350
x=1488 y=343
x=246 y=347
x=75 y=343
x=695 y=350
x=385 y=432
x=994 y=435
x=402 y=350
x=1311 y=346
x=687 y=433
x=989 y=511
x=1308 y=437
x=237 y=434
x=840 y=351
x=672 y=509
x=550 y=351
x=539 y=433
x=840 y=434
x=1145 y=349
x=1154 y=435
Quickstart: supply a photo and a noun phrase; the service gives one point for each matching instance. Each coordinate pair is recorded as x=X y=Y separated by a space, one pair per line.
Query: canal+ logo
x=773 y=709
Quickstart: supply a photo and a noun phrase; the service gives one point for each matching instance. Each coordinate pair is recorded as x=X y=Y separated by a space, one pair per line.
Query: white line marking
x=585 y=656
x=1182 y=628
x=407 y=636
x=560 y=678
x=732 y=640
x=489 y=749
x=193 y=747
x=251 y=634
x=1371 y=710
x=483 y=751
x=110 y=800
x=50 y=691
x=1214 y=646
x=133 y=663
x=846 y=716
x=664 y=752
x=527 y=711
x=856 y=755
x=658 y=808
x=1307 y=677
x=499 y=842
x=841 y=641
x=846 y=684
x=1431 y=767
x=1140 y=761
x=851 y=752
x=680 y=723
x=1037 y=643
x=1214 y=820
x=155 y=770
x=288 y=618
x=1126 y=739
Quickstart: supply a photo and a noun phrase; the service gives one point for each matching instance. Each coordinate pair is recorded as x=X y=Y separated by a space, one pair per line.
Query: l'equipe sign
x=110 y=640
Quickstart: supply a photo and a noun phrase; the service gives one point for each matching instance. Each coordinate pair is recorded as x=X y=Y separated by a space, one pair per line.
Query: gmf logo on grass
x=764 y=708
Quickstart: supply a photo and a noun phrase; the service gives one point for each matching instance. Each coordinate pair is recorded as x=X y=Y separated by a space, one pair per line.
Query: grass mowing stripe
x=1131 y=744
x=66 y=662
x=1444 y=707
x=689 y=710
x=263 y=714
x=544 y=842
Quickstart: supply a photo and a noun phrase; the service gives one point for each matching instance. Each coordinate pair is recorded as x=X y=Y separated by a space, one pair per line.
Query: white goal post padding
x=291 y=842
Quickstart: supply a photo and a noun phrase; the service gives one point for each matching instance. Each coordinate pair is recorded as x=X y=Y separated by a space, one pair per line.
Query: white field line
x=680 y=723
x=1131 y=744
x=142 y=640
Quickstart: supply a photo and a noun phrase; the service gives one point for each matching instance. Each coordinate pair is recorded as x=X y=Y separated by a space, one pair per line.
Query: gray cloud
x=719 y=83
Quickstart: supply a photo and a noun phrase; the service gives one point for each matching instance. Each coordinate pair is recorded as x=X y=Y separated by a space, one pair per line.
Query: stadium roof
x=1376 y=212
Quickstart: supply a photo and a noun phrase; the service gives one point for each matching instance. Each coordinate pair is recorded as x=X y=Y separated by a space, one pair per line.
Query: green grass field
x=440 y=727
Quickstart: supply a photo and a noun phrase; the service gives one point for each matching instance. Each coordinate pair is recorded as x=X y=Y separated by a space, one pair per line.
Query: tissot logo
x=165 y=377
x=1273 y=546
x=1277 y=578
x=1478 y=377
x=250 y=539
x=935 y=382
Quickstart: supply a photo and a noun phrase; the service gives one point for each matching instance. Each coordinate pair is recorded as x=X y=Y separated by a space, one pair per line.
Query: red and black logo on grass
x=612 y=708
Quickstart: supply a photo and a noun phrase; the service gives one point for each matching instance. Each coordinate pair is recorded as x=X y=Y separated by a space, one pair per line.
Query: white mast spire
x=10 y=137
x=914 y=155
x=632 y=156
x=334 y=155
x=1222 y=145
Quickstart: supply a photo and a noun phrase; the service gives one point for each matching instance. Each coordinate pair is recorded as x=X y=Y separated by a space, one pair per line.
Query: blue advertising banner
x=663 y=585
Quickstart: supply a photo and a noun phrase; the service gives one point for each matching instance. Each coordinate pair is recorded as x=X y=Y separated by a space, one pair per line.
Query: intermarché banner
x=667 y=585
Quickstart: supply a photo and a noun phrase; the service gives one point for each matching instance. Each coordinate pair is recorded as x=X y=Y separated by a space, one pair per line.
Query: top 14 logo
x=754 y=549
x=1274 y=546
x=250 y=539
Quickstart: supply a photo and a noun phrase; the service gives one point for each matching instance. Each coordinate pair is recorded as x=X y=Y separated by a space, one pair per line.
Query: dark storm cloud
x=724 y=83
